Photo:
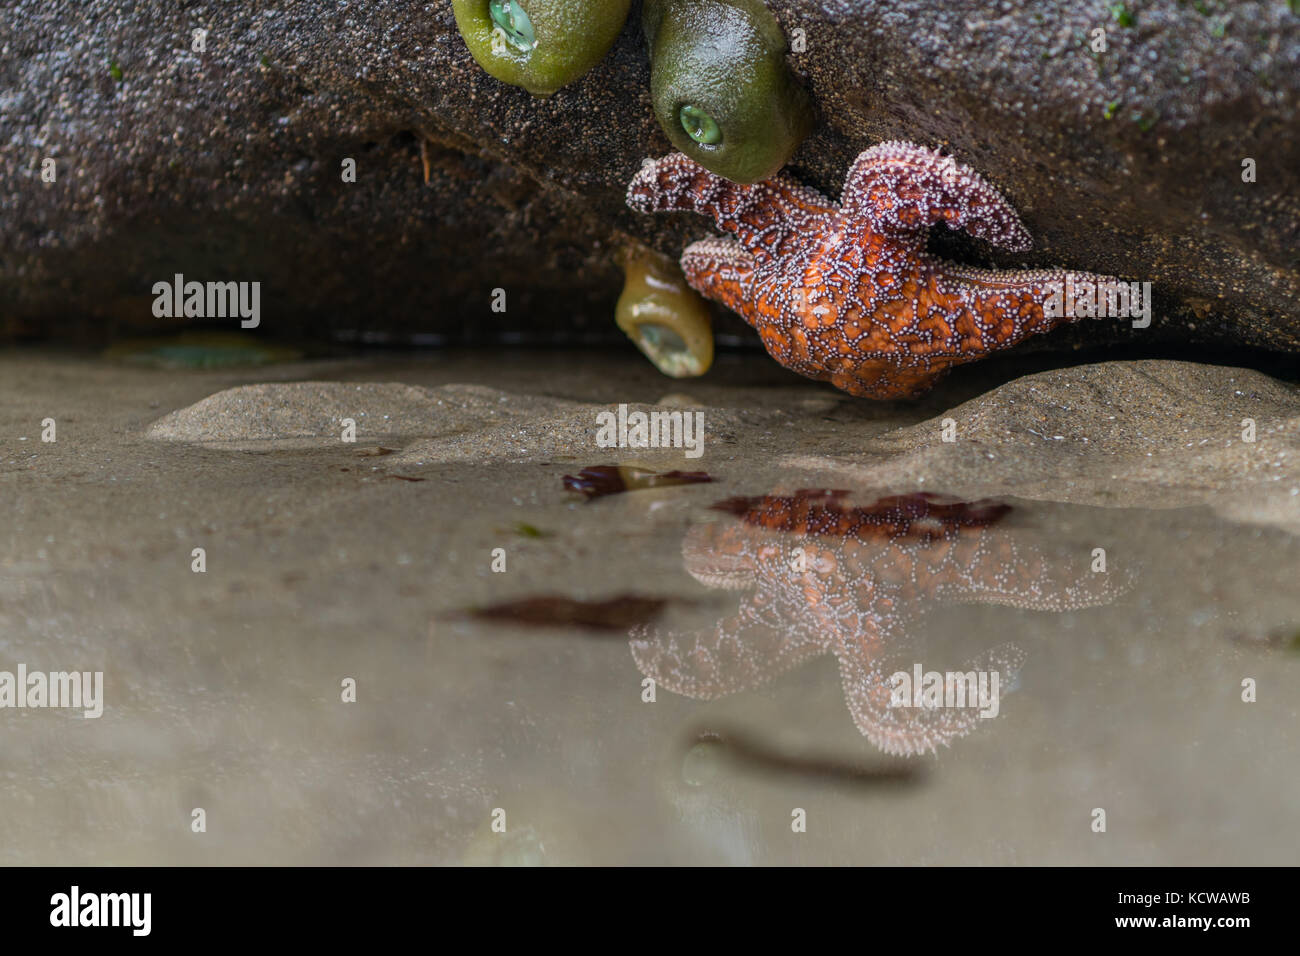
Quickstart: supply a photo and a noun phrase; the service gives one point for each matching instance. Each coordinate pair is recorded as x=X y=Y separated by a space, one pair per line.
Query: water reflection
x=821 y=574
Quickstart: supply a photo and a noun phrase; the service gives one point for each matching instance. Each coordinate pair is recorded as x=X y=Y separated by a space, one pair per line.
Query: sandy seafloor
x=223 y=688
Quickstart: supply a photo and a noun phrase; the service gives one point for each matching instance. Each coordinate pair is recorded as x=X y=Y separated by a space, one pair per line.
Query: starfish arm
x=1016 y=568
x=721 y=270
x=744 y=651
x=996 y=310
x=910 y=730
x=903 y=189
x=958 y=314
x=770 y=218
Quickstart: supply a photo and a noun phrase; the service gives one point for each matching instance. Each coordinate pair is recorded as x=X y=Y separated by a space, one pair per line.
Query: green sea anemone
x=662 y=315
x=539 y=44
x=722 y=90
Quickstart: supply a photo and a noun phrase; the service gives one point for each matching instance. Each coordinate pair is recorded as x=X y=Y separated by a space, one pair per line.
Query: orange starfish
x=846 y=292
x=824 y=576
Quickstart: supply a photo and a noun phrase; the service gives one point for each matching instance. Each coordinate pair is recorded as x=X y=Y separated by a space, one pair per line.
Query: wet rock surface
x=226 y=164
x=1150 y=433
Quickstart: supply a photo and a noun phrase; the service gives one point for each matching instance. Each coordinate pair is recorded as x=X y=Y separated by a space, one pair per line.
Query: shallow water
x=781 y=615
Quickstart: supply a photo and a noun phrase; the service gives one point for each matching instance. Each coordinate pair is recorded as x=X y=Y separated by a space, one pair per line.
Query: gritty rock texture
x=315 y=411
x=226 y=164
x=452 y=423
x=1153 y=433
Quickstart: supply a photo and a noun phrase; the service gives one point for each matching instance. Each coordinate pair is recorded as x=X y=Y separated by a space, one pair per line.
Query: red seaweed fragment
x=619 y=613
x=922 y=516
x=600 y=480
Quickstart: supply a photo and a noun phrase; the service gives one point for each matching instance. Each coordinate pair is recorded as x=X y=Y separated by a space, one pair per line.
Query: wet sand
x=223 y=688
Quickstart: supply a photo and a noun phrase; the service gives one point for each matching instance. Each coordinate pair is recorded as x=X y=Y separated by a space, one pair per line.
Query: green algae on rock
x=540 y=45
x=721 y=88
x=200 y=351
x=666 y=319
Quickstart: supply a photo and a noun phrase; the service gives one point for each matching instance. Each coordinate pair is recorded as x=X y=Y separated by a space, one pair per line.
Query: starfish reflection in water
x=823 y=576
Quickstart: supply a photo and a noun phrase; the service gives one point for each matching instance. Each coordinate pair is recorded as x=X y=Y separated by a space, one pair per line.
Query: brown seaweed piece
x=600 y=480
